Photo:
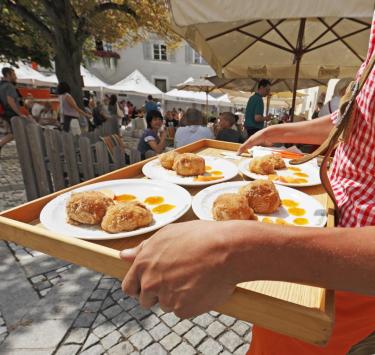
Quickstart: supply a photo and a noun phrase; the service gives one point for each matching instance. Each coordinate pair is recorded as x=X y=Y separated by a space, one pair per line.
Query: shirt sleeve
x=11 y=91
x=149 y=139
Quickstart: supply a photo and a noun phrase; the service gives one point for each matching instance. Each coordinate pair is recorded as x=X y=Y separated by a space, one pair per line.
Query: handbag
x=340 y=132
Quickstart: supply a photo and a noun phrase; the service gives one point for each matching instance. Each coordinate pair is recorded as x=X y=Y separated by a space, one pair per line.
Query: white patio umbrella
x=251 y=84
x=200 y=85
x=271 y=39
x=136 y=83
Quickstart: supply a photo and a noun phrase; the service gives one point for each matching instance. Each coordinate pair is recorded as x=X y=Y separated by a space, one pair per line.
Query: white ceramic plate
x=314 y=211
x=53 y=215
x=311 y=170
x=154 y=170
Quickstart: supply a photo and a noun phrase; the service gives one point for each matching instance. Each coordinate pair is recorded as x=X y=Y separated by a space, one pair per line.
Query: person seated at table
x=225 y=129
x=48 y=117
x=153 y=138
x=193 y=131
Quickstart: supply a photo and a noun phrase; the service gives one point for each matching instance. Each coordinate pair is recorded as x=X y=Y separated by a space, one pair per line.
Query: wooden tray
x=300 y=311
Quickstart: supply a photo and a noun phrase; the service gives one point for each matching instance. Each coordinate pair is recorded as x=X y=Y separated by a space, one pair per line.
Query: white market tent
x=27 y=75
x=189 y=96
x=90 y=81
x=136 y=84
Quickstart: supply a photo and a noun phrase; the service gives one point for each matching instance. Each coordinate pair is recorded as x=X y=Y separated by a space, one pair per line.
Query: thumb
x=131 y=254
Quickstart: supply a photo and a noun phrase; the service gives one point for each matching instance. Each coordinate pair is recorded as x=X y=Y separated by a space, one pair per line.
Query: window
x=160 y=52
x=161 y=84
x=198 y=59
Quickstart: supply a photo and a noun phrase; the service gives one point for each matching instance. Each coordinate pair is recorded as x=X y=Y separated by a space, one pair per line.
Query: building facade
x=164 y=68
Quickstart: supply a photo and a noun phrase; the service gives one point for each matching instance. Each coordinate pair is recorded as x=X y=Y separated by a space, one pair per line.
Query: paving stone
x=77 y=336
x=41 y=264
x=92 y=306
x=230 y=340
x=214 y=313
x=2 y=322
x=42 y=285
x=139 y=313
x=2 y=337
x=108 y=302
x=150 y=322
x=242 y=350
x=215 y=329
x=84 y=320
x=37 y=279
x=121 y=319
x=104 y=329
x=121 y=349
x=111 y=339
x=128 y=303
x=129 y=329
x=204 y=320
x=118 y=295
x=225 y=352
x=182 y=327
x=94 y=350
x=3 y=330
x=141 y=340
x=210 y=347
x=183 y=349
x=160 y=331
x=43 y=293
x=106 y=284
x=68 y=350
x=90 y=341
x=227 y=320
x=154 y=349
x=157 y=310
x=241 y=327
x=100 y=319
x=195 y=335
x=171 y=341
x=99 y=295
x=170 y=319
x=21 y=254
x=248 y=337
x=113 y=311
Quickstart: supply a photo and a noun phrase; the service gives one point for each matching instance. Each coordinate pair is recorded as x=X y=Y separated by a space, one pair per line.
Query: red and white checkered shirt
x=353 y=172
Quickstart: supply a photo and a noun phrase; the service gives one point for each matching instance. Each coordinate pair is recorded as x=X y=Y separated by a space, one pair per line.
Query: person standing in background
x=70 y=109
x=254 y=119
x=332 y=105
x=150 y=104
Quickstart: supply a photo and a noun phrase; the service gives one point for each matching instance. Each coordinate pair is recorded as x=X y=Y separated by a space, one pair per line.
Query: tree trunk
x=68 y=62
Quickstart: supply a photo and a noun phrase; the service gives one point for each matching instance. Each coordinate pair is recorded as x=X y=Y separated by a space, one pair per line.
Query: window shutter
x=188 y=54
x=147 y=51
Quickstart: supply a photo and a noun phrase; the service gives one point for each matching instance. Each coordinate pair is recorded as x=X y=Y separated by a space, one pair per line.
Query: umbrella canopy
x=267 y=39
x=251 y=84
x=196 y=85
x=136 y=83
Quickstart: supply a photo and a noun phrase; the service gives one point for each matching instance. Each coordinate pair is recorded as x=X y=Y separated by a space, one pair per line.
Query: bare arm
x=72 y=103
x=260 y=118
x=158 y=147
x=236 y=251
x=333 y=258
x=12 y=103
x=307 y=132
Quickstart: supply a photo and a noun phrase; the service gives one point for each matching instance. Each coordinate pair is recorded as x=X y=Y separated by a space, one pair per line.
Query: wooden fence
x=51 y=160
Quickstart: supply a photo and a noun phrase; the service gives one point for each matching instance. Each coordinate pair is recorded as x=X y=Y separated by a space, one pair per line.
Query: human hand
x=186 y=272
x=259 y=138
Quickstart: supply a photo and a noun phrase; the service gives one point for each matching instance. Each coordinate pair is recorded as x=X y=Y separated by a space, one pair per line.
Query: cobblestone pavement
x=107 y=321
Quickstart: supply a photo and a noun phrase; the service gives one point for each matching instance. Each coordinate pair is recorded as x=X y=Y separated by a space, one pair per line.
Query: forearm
x=334 y=258
x=308 y=132
x=13 y=106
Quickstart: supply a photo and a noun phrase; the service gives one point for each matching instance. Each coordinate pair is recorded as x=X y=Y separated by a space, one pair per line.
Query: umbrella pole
x=207 y=106
x=295 y=88
x=298 y=56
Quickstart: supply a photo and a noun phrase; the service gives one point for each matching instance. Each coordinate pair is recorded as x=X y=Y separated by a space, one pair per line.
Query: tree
x=20 y=41
x=68 y=27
